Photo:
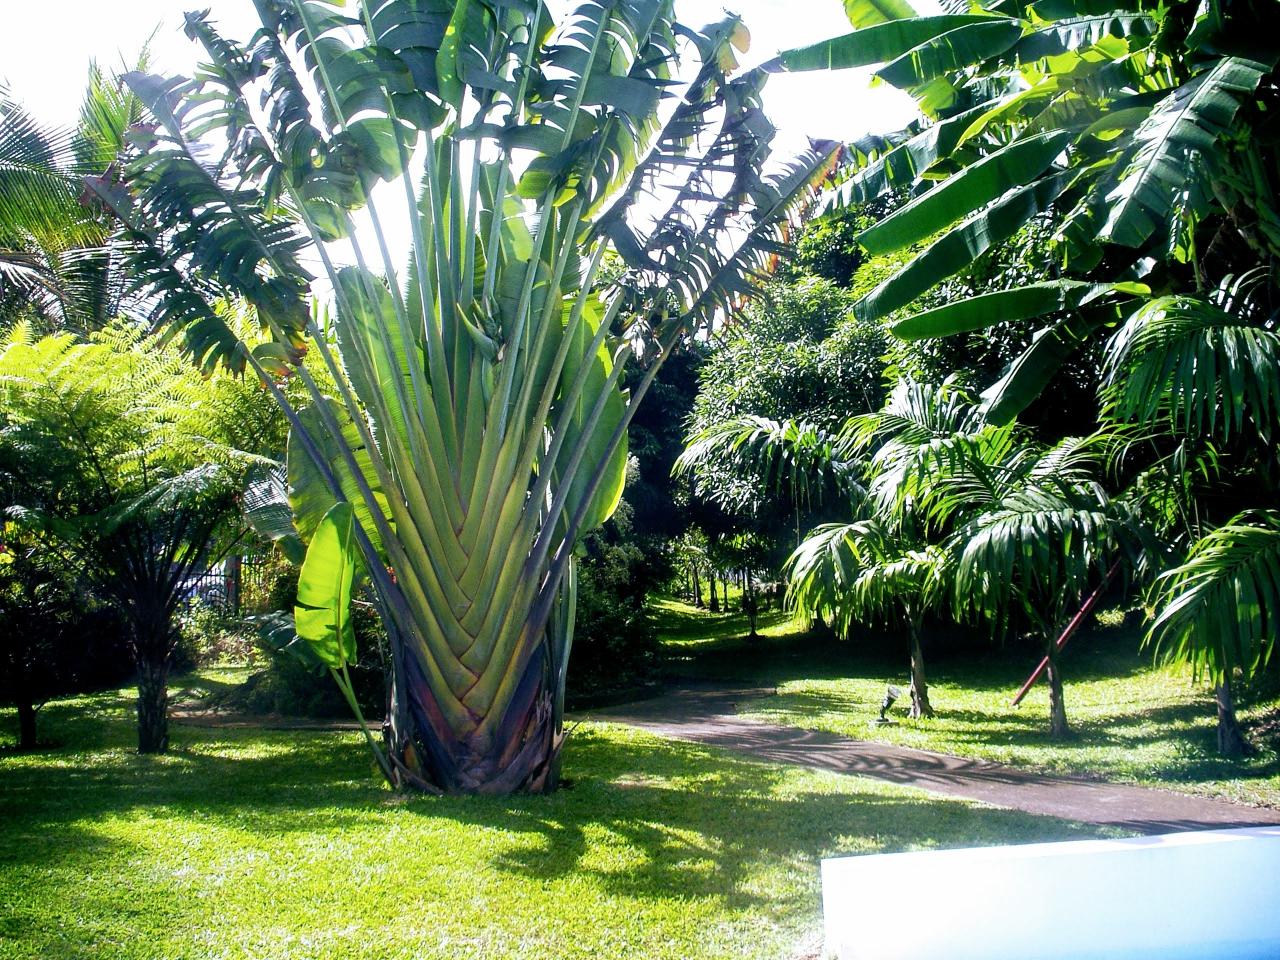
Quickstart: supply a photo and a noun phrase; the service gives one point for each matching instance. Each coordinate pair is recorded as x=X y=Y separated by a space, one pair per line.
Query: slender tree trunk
x=1231 y=741
x=920 y=706
x=697 y=587
x=715 y=601
x=153 y=702
x=26 y=724
x=751 y=603
x=235 y=581
x=1058 y=727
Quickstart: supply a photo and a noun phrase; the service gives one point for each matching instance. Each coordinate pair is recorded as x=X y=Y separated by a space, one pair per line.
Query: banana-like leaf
x=1019 y=303
x=322 y=615
x=266 y=507
x=1028 y=375
x=865 y=13
x=875 y=44
x=276 y=631
x=956 y=249
x=1076 y=33
x=1066 y=9
x=309 y=495
x=905 y=163
x=961 y=194
x=1174 y=147
x=953 y=50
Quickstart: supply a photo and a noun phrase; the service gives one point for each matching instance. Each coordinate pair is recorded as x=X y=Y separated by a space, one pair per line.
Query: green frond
x=1220 y=609
x=1183 y=363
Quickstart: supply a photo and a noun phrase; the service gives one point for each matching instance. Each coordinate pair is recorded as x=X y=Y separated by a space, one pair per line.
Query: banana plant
x=469 y=406
x=1135 y=131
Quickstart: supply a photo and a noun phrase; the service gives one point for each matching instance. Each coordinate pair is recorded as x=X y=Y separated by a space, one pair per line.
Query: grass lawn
x=1133 y=722
x=247 y=842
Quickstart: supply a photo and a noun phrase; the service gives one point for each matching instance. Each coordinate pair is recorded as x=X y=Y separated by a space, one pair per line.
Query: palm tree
x=855 y=572
x=56 y=263
x=1203 y=373
x=1033 y=530
x=120 y=464
x=1219 y=610
x=475 y=422
x=892 y=569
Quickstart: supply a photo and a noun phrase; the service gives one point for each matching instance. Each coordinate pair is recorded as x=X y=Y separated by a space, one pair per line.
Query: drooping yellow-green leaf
x=322 y=615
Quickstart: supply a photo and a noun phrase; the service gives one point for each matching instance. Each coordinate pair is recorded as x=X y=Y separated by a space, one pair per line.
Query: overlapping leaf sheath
x=465 y=399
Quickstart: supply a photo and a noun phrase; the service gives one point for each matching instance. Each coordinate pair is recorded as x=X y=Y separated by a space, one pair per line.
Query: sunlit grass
x=281 y=844
x=688 y=629
x=1133 y=721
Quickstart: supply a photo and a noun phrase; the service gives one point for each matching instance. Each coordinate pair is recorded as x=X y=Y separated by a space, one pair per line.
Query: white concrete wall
x=1208 y=894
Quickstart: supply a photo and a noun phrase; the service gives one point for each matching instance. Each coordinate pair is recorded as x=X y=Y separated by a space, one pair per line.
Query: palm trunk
x=715 y=601
x=1231 y=741
x=697 y=587
x=153 y=703
x=520 y=752
x=153 y=638
x=920 y=706
x=26 y=724
x=1058 y=727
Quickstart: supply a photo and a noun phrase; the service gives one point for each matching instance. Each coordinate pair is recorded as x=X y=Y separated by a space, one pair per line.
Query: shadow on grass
x=692 y=822
x=701 y=837
x=1097 y=747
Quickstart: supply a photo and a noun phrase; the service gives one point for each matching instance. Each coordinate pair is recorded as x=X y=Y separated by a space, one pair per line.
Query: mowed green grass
x=255 y=843
x=1133 y=722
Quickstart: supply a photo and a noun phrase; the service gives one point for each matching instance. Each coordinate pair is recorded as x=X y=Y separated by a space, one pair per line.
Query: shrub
x=208 y=635
x=615 y=647
x=292 y=680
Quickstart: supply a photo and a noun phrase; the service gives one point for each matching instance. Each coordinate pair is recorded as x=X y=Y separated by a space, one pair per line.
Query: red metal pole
x=1070 y=629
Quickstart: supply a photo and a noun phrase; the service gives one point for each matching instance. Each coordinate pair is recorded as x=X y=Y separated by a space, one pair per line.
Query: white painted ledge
x=1209 y=895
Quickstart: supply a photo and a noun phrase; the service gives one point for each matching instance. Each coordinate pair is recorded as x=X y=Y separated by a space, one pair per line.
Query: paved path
x=707 y=715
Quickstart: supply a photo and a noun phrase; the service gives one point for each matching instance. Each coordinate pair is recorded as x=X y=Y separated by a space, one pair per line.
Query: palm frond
x=1186 y=364
x=1220 y=609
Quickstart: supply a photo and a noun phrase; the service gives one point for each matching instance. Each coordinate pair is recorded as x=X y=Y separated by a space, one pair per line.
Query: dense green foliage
x=1061 y=249
x=120 y=466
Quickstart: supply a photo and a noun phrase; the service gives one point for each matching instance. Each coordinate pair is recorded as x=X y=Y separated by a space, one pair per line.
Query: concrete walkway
x=707 y=715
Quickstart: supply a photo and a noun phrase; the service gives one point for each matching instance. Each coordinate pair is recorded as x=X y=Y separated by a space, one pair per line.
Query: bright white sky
x=45 y=48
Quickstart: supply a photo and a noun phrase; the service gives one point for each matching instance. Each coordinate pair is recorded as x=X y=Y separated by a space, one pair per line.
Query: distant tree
x=123 y=465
